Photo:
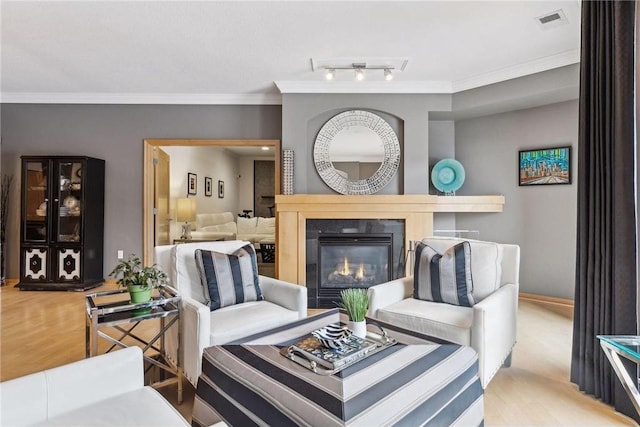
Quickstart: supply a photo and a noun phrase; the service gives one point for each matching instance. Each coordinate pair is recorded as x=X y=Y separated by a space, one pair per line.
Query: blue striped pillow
x=444 y=277
x=229 y=278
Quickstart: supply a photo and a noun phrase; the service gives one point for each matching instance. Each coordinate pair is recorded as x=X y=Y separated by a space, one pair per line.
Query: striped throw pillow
x=444 y=277
x=229 y=278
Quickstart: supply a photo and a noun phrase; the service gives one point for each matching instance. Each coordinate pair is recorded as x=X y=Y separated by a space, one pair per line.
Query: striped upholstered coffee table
x=419 y=381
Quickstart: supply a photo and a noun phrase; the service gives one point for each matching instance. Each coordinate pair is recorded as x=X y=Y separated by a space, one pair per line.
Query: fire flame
x=345 y=270
x=345 y=267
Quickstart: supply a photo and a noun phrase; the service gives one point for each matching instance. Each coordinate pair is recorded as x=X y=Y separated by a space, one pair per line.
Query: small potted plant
x=356 y=303
x=138 y=280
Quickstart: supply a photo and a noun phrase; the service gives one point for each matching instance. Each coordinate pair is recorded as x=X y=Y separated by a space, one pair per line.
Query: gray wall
x=541 y=219
x=115 y=133
x=304 y=114
x=442 y=136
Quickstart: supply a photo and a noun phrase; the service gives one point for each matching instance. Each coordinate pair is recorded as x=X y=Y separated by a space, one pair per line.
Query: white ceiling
x=217 y=52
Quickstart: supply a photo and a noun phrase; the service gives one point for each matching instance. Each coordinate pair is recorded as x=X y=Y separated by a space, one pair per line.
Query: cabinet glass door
x=36 y=201
x=69 y=201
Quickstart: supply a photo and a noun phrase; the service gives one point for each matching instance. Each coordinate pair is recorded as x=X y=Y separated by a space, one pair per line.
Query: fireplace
x=343 y=254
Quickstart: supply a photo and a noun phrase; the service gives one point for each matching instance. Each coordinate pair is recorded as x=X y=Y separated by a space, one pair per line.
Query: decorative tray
x=377 y=342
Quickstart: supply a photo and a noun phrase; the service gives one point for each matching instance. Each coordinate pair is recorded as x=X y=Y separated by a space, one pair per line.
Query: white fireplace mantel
x=416 y=210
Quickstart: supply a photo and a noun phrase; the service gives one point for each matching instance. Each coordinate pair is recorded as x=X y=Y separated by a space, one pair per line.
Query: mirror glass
x=356 y=152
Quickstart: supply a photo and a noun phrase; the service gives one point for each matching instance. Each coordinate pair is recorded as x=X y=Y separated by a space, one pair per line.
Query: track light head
x=388 y=74
x=359 y=74
x=330 y=74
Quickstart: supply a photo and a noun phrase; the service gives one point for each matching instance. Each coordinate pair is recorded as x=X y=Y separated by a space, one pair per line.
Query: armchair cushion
x=444 y=321
x=242 y=320
x=229 y=279
x=486 y=263
x=444 y=277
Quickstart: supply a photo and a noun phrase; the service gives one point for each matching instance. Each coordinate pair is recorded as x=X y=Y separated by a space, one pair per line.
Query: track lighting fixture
x=359 y=69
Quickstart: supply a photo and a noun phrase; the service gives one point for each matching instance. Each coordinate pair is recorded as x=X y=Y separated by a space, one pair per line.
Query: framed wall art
x=192 y=183
x=220 y=189
x=208 y=183
x=544 y=166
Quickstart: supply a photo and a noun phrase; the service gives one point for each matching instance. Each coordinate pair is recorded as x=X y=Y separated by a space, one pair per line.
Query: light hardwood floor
x=42 y=330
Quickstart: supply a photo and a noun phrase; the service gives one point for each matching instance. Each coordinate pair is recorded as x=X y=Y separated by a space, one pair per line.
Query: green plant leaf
x=356 y=303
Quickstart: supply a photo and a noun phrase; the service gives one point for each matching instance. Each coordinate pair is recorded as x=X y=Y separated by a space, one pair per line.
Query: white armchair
x=200 y=327
x=105 y=390
x=489 y=326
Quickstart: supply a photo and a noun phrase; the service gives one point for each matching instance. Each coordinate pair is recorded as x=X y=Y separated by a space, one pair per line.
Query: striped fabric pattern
x=444 y=277
x=414 y=383
x=229 y=278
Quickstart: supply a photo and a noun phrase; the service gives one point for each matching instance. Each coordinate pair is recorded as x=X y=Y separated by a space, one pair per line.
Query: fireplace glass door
x=352 y=260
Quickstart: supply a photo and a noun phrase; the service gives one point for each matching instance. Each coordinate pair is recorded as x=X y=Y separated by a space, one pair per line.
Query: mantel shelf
x=413 y=202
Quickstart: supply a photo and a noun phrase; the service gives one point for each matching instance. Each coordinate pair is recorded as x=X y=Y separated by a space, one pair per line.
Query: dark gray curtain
x=606 y=276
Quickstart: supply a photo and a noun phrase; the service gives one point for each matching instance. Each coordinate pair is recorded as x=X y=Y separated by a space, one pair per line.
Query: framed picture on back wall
x=208 y=182
x=192 y=183
x=544 y=166
x=220 y=189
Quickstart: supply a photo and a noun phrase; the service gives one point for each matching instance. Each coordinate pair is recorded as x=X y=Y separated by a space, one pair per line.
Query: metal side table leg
x=627 y=382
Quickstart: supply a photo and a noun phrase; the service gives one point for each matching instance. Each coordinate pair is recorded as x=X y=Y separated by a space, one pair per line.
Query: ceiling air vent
x=552 y=19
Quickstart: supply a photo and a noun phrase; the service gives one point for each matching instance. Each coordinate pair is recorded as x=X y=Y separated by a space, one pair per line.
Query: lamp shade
x=186 y=209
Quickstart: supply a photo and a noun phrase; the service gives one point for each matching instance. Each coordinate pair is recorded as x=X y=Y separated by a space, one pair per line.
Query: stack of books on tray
x=351 y=349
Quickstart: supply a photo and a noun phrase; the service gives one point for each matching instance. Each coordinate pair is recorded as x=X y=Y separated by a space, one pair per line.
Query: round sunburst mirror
x=356 y=152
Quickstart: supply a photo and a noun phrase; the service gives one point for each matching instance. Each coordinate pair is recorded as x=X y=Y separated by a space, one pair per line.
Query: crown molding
x=141 y=98
x=319 y=87
x=542 y=64
x=414 y=87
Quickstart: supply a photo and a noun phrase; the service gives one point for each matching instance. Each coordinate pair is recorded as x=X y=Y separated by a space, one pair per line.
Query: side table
x=627 y=346
x=110 y=315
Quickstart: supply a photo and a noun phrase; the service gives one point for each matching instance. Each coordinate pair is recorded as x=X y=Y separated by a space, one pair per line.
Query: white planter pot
x=359 y=329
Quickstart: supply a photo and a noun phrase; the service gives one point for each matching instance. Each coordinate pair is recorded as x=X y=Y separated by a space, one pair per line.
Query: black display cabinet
x=62 y=223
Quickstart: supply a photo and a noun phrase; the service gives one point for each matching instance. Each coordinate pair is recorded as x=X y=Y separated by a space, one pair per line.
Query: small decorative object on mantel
x=356 y=302
x=287 y=172
x=448 y=176
x=138 y=280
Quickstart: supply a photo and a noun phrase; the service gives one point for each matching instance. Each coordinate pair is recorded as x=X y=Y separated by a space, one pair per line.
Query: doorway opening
x=152 y=204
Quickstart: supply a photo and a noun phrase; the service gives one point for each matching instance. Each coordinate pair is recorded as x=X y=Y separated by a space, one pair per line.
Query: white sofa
x=213 y=226
x=223 y=225
x=489 y=327
x=105 y=390
x=257 y=229
x=283 y=303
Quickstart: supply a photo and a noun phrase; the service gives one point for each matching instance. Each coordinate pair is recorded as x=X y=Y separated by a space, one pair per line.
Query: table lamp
x=185 y=212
